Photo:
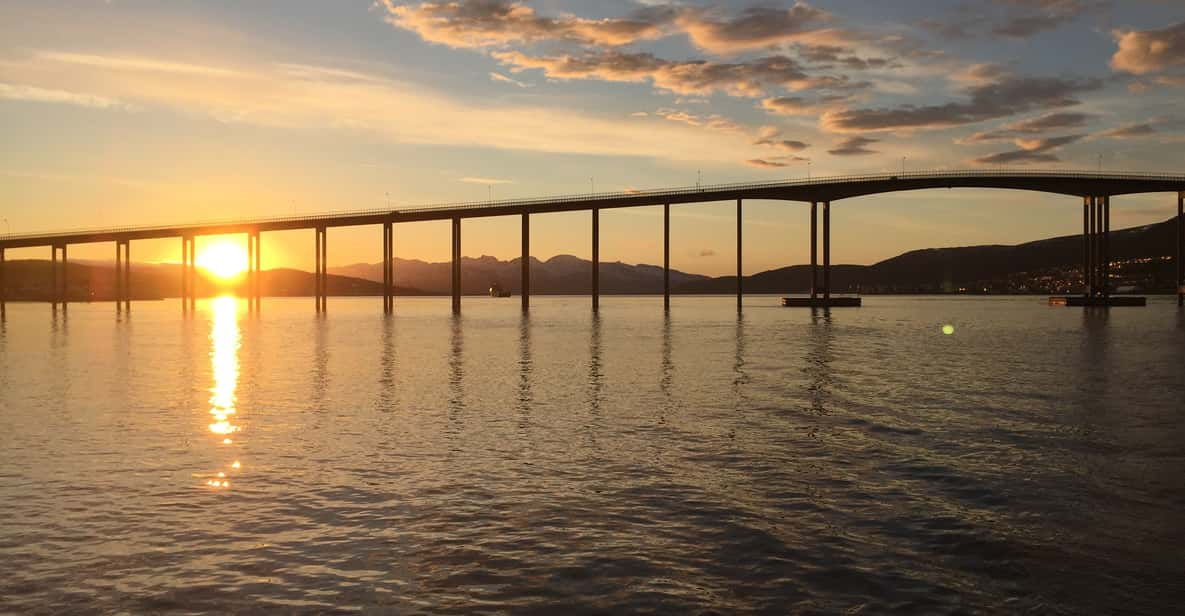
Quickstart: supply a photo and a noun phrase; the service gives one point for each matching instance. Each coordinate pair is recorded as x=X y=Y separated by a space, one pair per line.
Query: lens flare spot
x=948 y=329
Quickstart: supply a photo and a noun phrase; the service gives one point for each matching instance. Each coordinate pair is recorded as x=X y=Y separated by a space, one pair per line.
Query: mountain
x=95 y=281
x=1142 y=259
x=559 y=274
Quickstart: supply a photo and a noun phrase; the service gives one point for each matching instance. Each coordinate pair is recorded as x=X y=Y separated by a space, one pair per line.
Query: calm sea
x=779 y=461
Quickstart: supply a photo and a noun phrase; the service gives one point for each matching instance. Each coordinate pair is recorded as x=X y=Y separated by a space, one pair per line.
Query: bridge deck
x=817 y=189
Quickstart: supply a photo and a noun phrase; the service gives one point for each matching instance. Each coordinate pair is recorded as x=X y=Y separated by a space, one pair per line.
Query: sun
x=224 y=259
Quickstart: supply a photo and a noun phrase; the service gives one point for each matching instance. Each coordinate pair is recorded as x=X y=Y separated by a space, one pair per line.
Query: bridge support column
x=525 y=276
x=184 y=274
x=1086 y=247
x=596 y=259
x=814 y=250
x=826 y=250
x=666 y=256
x=257 y=291
x=1094 y=246
x=1105 y=266
x=3 y=288
x=1098 y=246
x=321 y=282
x=456 y=265
x=740 y=252
x=1180 y=248
x=388 y=268
x=118 y=294
x=252 y=272
x=60 y=282
x=1096 y=259
x=193 y=277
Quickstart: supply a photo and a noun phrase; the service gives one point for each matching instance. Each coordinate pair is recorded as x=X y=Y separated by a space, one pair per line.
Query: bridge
x=1095 y=191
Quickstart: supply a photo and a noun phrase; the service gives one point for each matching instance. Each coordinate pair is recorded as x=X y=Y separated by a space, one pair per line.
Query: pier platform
x=1114 y=300
x=819 y=302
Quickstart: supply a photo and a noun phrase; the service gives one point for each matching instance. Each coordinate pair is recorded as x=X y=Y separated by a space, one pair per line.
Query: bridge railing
x=653 y=194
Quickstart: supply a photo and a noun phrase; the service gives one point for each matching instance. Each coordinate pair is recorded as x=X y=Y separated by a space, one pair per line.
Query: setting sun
x=224 y=259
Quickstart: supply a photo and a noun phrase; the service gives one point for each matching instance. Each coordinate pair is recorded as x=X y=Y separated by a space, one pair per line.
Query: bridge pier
x=666 y=256
x=525 y=276
x=1180 y=248
x=321 y=282
x=388 y=271
x=253 y=284
x=826 y=251
x=1096 y=259
x=188 y=274
x=456 y=265
x=740 y=275
x=3 y=288
x=120 y=294
x=596 y=259
x=61 y=283
x=814 y=301
x=814 y=250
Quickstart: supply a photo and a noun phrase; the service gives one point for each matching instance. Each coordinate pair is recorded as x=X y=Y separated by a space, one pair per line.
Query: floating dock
x=1115 y=300
x=821 y=302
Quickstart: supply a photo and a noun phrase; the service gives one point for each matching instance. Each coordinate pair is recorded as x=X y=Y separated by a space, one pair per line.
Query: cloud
x=1011 y=18
x=754 y=28
x=1030 y=151
x=32 y=94
x=499 y=77
x=270 y=95
x=764 y=163
x=988 y=101
x=1149 y=51
x=749 y=79
x=497 y=23
x=1031 y=126
x=981 y=74
x=799 y=106
x=713 y=121
x=485 y=181
x=853 y=146
x=772 y=136
x=131 y=63
x=1130 y=131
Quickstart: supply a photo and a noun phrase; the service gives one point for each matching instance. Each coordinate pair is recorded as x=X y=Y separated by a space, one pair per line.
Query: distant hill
x=1143 y=261
x=559 y=274
x=90 y=281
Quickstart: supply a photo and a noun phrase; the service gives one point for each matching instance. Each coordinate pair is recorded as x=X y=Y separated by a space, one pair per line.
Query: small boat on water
x=496 y=290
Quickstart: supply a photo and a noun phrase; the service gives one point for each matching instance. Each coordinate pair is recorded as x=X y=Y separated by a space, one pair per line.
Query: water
x=777 y=462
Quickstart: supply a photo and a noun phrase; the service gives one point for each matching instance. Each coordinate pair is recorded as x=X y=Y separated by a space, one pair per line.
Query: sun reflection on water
x=225 y=340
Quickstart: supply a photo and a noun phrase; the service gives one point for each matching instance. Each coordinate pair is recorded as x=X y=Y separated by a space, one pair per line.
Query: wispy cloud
x=479 y=180
x=853 y=146
x=499 y=77
x=133 y=63
x=1030 y=151
x=17 y=92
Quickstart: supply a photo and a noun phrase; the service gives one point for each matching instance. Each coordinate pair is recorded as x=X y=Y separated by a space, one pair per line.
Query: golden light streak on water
x=225 y=341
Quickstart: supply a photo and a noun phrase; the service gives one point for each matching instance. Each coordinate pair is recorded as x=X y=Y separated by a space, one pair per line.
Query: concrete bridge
x=1095 y=191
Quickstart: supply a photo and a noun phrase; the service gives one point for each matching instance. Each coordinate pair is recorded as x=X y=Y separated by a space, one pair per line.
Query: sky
x=118 y=113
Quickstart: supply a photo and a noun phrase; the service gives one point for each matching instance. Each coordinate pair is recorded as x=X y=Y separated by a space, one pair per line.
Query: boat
x=496 y=290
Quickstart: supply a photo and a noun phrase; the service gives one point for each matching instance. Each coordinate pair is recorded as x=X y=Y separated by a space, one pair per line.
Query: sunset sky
x=124 y=112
